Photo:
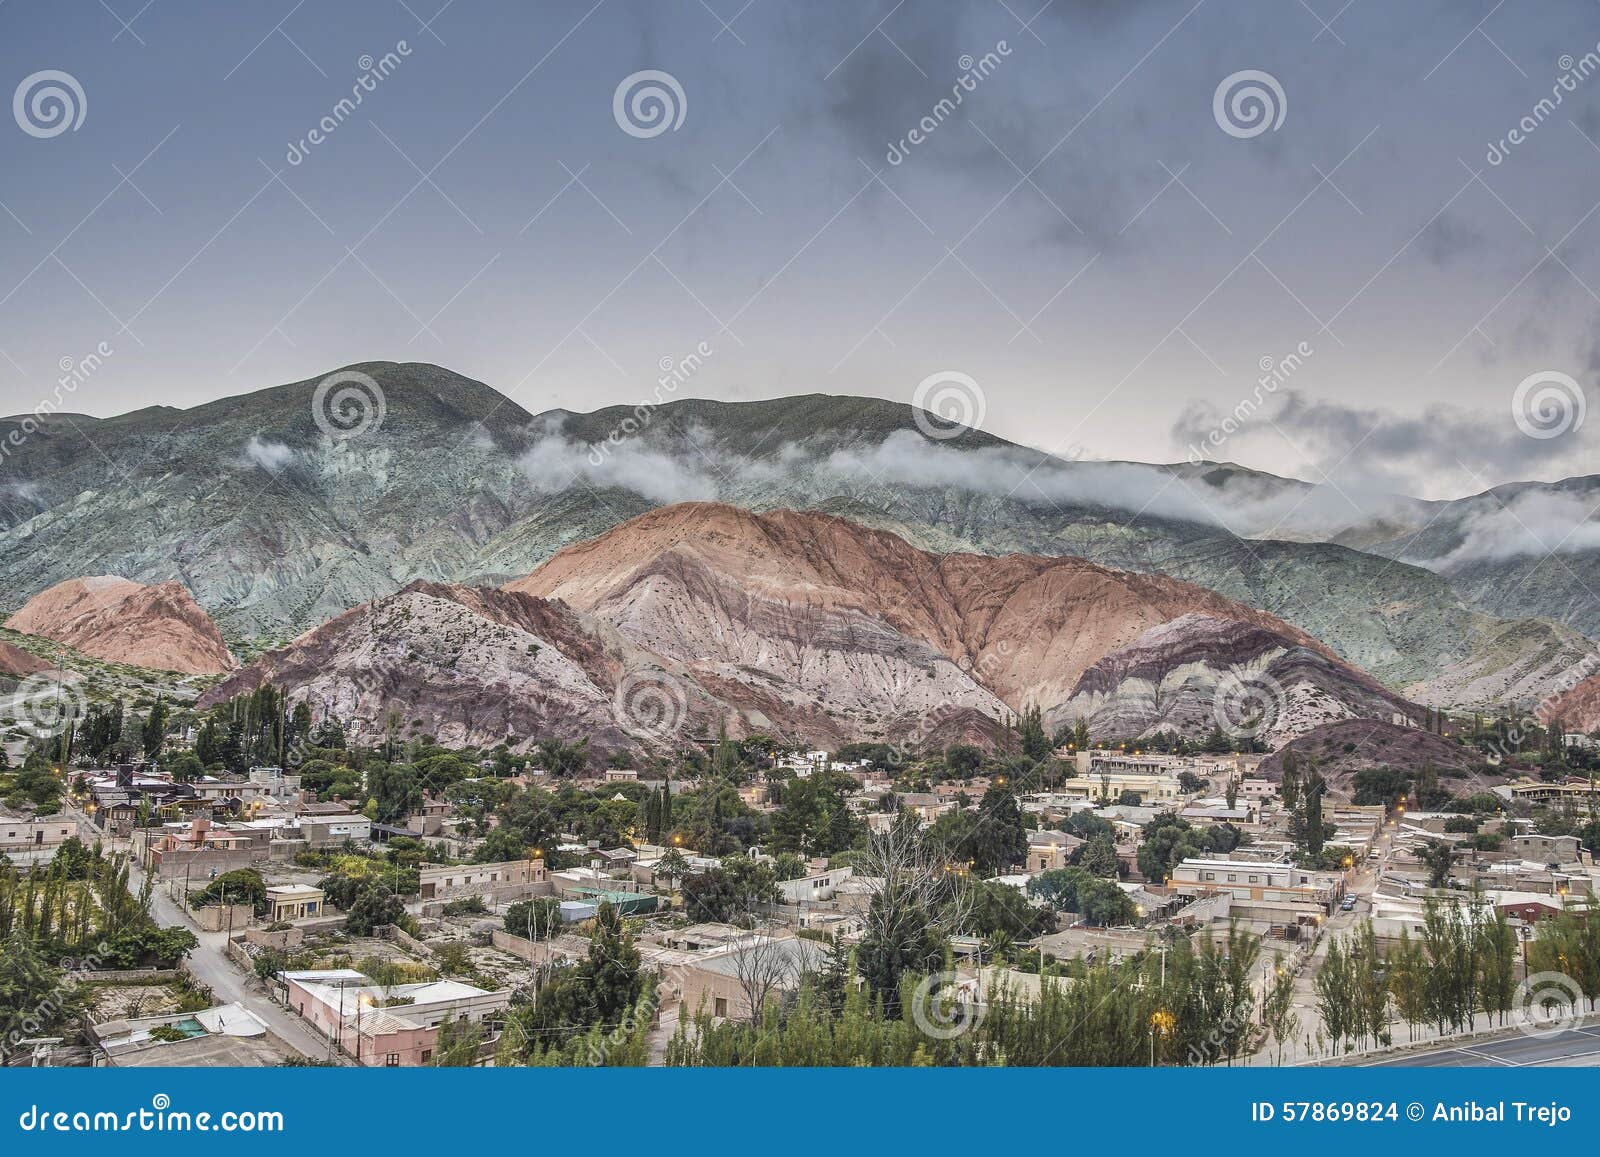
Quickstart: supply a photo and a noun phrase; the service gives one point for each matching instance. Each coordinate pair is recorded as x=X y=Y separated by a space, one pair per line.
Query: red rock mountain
x=819 y=601
x=18 y=664
x=804 y=625
x=160 y=627
x=1578 y=709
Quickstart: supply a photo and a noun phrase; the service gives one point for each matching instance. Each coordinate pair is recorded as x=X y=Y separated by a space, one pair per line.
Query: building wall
x=19 y=834
x=713 y=992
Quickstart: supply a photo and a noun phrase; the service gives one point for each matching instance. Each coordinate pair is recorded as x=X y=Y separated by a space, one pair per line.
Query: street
x=209 y=964
x=1579 y=1047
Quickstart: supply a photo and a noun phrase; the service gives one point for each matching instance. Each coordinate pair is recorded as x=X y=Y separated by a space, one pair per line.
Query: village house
x=440 y=881
x=395 y=1026
x=723 y=984
x=294 y=902
x=21 y=833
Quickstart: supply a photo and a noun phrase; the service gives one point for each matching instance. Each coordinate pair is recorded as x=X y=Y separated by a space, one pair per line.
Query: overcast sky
x=1082 y=236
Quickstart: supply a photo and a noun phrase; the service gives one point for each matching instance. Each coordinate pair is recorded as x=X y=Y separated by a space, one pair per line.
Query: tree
x=1036 y=744
x=35 y=998
x=672 y=867
x=536 y=919
x=1100 y=858
x=186 y=768
x=731 y=892
x=1277 y=1006
x=154 y=732
x=912 y=896
x=501 y=844
x=963 y=760
x=459 y=1043
x=375 y=907
x=1438 y=857
x=763 y=968
x=609 y=979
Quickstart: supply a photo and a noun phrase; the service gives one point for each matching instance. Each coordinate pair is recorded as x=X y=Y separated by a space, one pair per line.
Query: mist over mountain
x=277 y=521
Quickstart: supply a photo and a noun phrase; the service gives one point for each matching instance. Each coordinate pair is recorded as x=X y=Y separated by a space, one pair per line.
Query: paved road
x=1579 y=1047
x=210 y=965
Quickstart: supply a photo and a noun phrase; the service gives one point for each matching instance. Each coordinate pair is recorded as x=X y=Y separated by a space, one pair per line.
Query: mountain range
x=698 y=616
x=277 y=524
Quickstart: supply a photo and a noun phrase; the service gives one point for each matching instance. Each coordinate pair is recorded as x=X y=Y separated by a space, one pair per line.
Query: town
x=243 y=887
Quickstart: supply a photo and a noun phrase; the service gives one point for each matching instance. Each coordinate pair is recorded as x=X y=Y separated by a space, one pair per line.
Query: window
x=721 y=1007
x=1211 y=875
x=427 y=1055
x=391 y=1060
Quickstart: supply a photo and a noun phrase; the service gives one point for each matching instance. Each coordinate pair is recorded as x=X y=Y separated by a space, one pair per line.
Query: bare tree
x=918 y=895
x=766 y=965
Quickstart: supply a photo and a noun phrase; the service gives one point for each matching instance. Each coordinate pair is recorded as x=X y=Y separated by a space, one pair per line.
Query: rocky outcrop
x=480 y=666
x=870 y=623
x=1577 y=709
x=160 y=627
x=19 y=664
x=1339 y=750
x=1200 y=671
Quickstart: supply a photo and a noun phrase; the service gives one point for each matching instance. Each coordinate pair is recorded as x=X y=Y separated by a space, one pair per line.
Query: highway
x=1578 y=1047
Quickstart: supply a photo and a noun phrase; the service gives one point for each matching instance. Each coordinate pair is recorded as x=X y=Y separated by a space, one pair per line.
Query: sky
x=1095 y=251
